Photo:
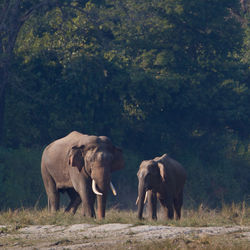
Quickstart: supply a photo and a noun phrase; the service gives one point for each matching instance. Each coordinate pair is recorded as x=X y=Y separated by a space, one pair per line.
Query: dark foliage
x=155 y=76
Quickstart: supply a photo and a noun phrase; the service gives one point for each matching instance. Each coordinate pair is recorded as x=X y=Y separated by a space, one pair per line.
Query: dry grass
x=207 y=242
x=236 y=214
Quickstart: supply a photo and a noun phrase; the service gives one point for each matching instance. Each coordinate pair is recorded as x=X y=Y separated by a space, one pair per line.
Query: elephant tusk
x=146 y=196
x=137 y=200
x=145 y=199
x=94 y=188
x=113 y=189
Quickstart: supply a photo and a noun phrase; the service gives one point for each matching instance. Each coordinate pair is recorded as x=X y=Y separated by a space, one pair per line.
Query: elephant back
x=173 y=166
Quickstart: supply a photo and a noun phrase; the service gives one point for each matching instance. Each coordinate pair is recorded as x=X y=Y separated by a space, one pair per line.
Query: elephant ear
x=76 y=158
x=118 y=162
x=162 y=171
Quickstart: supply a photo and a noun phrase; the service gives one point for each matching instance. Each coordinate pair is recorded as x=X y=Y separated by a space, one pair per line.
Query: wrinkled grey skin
x=69 y=164
x=162 y=178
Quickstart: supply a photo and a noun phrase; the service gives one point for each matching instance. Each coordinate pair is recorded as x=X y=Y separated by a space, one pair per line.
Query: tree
x=155 y=76
x=13 y=15
x=181 y=59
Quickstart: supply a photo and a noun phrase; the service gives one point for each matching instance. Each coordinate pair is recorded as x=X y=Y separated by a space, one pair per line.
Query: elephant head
x=96 y=159
x=150 y=176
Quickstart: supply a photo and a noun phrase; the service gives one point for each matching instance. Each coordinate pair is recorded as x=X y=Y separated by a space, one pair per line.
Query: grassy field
x=227 y=216
x=236 y=214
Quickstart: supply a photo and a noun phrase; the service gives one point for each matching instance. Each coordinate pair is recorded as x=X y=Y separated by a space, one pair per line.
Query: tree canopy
x=155 y=76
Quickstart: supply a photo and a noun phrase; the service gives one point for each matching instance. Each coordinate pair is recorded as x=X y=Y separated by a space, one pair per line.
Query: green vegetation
x=22 y=184
x=155 y=76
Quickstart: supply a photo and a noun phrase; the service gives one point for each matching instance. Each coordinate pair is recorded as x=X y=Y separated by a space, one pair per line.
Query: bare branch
x=36 y=7
x=4 y=14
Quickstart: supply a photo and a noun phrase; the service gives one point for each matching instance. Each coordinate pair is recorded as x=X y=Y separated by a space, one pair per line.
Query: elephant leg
x=168 y=208
x=152 y=205
x=92 y=199
x=54 y=200
x=76 y=204
x=51 y=190
x=75 y=201
x=178 y=204
x=92 y=202
x=85 y=192
x=164 y=206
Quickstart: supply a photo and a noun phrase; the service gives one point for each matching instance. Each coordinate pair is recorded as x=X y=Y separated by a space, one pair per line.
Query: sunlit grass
x=235 y=214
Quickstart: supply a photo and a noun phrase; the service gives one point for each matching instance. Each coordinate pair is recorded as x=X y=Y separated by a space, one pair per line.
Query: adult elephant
x=81 y=165
x=161 y=178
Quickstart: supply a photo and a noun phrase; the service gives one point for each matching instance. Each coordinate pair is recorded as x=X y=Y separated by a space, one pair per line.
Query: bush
x=210 y=183
x=20 y=178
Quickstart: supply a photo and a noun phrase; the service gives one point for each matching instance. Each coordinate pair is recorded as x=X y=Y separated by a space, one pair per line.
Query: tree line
x=160 y=76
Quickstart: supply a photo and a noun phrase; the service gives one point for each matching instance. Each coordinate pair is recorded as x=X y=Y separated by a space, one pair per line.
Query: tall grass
x=236 y=214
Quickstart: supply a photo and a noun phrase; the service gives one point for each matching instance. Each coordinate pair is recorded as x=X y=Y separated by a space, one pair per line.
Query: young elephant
x=161 y=178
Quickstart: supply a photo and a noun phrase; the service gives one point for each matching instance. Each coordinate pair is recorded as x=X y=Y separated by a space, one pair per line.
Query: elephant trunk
x=141 y=197
x=101 y=205
x=101 y=186
x=101 y=199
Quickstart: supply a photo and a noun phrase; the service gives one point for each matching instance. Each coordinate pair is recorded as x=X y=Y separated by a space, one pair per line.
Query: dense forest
x=158 y=76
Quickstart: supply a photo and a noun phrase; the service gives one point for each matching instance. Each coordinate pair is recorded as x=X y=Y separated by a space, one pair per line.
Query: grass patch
x=204 y=242
x=236 y=214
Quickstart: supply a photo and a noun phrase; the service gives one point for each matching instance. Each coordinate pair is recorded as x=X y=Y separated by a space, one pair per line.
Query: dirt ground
x=108 y=236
